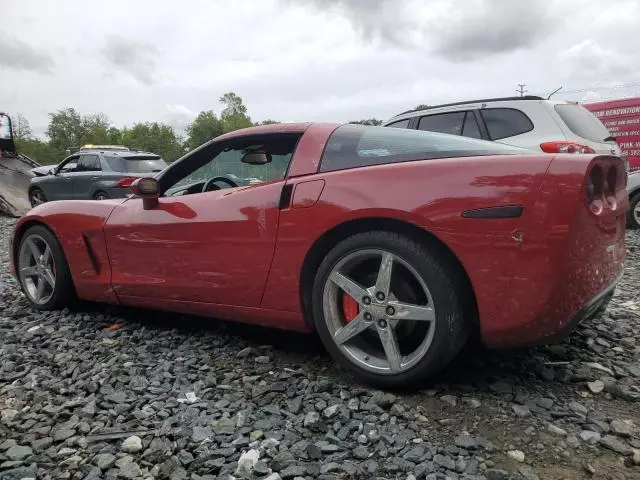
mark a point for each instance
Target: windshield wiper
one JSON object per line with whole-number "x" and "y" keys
{"x": 610, "y": 139}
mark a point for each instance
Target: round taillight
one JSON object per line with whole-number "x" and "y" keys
{"x": 595, "y": 184}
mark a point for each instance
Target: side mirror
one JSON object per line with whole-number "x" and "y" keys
{"x": 148, "y": 189}
{"x": 256, "y": 158}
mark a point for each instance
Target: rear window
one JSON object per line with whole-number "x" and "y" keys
{"x": 505, "y": 122}
{"x": 582, "y": 122}
{"x": 137, "y": 164}
{"x": 352, "y": 146}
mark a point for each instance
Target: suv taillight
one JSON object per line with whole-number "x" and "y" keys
{"x": 565, "y": 147}
{"x": 125, "y": 181}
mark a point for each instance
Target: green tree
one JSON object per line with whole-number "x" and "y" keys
{"x": 95, "y": 129}
{"x": 234, "y": 115}
{"x": 66, "y": 129}
{"x": 422, "y": 106}
{"x": 41, "y": 152}
{"x": 205, "y": 127}
{"x": 154, "y": 137}
{"x": 370, "y": 121}
{"x": 268, "y": 121}
{"x": 21, "y": 127}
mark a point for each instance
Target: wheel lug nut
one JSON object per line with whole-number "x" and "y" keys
{"x": 391, "y": 310}
{"x": 380, "y": 296}
{"x": 366, "y": 301}
{"x": 367, "y": 317}
{"x": 382, "y": 323}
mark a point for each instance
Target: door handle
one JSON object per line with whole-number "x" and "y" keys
{"x": 95, "y": 178}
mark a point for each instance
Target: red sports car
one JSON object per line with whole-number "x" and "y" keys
{"x": 394, "y": 245}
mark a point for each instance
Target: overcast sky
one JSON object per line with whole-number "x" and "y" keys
{"x": 297, "y": 60}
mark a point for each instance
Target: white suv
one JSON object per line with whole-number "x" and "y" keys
{"x": 528, "y": 122}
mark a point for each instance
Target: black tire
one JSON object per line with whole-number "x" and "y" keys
{"x": 36, "y": 192}
{"x": 632, "y": 222}
{"x": 451, "y": 327}
{"x": 63, "y": 293}
{"x": 100, "y": 195}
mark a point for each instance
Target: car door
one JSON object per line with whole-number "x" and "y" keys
{"x": 89, "y": 171}
{"x": 59, "y": 185}
{"x": 210, "y": 247}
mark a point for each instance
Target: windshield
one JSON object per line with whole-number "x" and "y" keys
{"x": 353, "y": 146}
{"x": 582, "y": 122}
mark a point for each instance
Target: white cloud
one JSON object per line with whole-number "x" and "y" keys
{"x": 325, "y": 60}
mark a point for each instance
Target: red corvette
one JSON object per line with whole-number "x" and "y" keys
{"x": 394, "y": 245}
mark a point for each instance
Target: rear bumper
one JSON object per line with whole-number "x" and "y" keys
{"x": 551, "y": 328}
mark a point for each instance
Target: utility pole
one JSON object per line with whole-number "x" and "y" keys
{"x": 521, "y": 89}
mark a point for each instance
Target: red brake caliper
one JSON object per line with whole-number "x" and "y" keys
{"x": 350, "y": 307}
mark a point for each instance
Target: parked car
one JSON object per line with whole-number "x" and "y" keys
{"x": 394, "y": 245}
{"x": 529, "y": 122}
{"x": 633, "y": 188}
{"x": 95, "y": 172}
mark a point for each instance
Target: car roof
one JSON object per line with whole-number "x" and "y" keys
{"x": 262, "y": 129}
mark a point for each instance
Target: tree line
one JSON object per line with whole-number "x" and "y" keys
{"x": 69, "y": 130}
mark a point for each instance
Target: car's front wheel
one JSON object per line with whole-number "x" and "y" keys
{"x": 36, "y": 197}
{"x": 43, "y": 270}
{"x": 388, "y": 309}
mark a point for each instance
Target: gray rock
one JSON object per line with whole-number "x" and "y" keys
{"x": 621, "y": 428}
{"x": 19, "y": 452}
{"x": 132, "y": 444}
{"x": 616, "y": 445}
{"x": 466, "y": 441}
{"x": 590, "y": 437}
{"x": 557, "y": 431}
{"x": 104, "y": 461}
{"x": 496, "y": 474}
{"x": 450, "y": 400}
{"x": 445, "y": 462}
{"x": 311, "y": 419}
{"x": 128, "y": 469}
{"x": 293, "y": 471}
{"x": 521, "y": 411}
{"x": 528, "y": 473}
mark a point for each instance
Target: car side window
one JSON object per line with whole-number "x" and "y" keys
{"x": 71, "y": 165}
{"x": 224, "y": 165}
{"x": 470, "y": 128}
{"x": 505, "y": 122}
{"x": 400, "y": 124}
{"x": 450, "y": 123}
{"x": 89, "y": 163}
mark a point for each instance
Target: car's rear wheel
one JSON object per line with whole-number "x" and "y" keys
{"x": 388, "y": 309}
{"x": 43, "y": 270}
{"x": 36, "y": 197}
{"x": 100, "y": 196}
{"x": 633, "y": 219}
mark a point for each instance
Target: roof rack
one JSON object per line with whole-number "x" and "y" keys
{"x": 482, "y": 100}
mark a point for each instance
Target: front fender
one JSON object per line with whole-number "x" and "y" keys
{"x": 79, "y": 227}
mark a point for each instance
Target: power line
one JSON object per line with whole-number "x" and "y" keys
{"x": 596, "y": 89}
{"x": 521, "y": 89}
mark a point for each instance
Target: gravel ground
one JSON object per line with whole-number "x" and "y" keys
{"x": 118, "y": 393}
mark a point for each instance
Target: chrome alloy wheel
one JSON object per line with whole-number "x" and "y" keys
{"x": 36, "y": 269}
{"x": 394, "y": 322}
